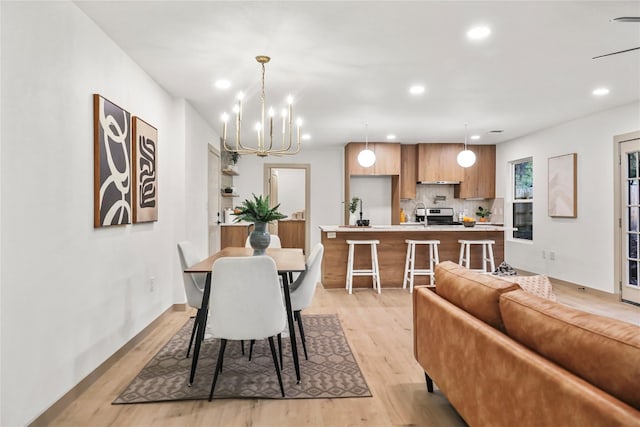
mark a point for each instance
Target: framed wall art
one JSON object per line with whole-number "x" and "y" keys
{"x": 111, "y": 163}
{"x": 145, "y": 171}
{"x": 563, "y": 202}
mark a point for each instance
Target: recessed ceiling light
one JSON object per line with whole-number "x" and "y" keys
{"x": 600, "y": 91}
{"x": 478, "y": 33}
{"x": 416, "y": 89}
{"x": 474, "y": 137}
{"x": 306, "y": 136}
{"x": 391, "y": 136}
{"x": 222, "y": 84}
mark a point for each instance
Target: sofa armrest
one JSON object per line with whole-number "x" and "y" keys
{"x": 493, "y": 380}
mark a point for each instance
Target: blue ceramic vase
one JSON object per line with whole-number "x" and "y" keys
{"x": 259, "y": 238}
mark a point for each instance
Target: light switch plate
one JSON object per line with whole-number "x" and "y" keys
{"x": 331, "y": 235}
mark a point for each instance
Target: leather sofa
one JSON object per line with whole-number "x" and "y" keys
{"x": 504, "y": 357}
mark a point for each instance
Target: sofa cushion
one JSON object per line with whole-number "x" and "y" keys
{"x": 602, "y": 351}
{"x": 477, "y": 294}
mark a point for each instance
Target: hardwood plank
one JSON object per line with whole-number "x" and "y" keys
{"x": 379, "y": 330}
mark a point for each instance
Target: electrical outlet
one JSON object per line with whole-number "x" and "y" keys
{"x": 552, "y": 255}
{"x": 544, "y": 254}
{"x": 152, "y": 284}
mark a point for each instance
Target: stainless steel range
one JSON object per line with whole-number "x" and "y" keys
{"x": 440, "y": 216}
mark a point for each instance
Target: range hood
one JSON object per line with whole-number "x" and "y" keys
{"x": 438, "y": 182}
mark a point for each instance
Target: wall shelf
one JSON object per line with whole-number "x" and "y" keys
{"x": 230, "y": 172}
{"x": 230, "y": 195}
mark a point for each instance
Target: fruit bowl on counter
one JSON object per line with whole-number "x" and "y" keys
{"x": 468, "y": 221}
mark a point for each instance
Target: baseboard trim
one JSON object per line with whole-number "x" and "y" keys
{"x": 576, "y": 287}
{"x": 61, "y": 404}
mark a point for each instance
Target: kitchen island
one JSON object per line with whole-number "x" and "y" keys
{"x": 392, "y": 250}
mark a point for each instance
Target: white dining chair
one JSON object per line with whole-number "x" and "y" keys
{"x": 274, "y": 243}
{"x": 193, "y": 283}
{"x": 246, "y": 304}
{"x": 303, "y": 289}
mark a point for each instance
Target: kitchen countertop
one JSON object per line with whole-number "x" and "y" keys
{"x": 236, "y": 224}
{"x": 408, "y": 227}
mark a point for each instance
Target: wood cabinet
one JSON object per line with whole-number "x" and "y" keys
{"x": 387, "y": 159}
{"x": 438, "y": 162}
{"x": 233, "y": 235}
{"x": 479, "y": 180}
{"x": 408, "y": 171}
{"x": 291, "y": 233}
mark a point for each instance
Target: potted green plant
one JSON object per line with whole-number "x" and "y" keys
{"x": 483, "y": 214}
{"x": 234, "y": 157}
{"x": 258, "y": 212}
{"x": 353, "y": 206}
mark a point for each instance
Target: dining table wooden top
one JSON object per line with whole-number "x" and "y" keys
{"x": 287, "y": 259}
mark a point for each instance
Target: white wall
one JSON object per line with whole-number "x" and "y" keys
{"x": 584, "y": 245}
{"x": 290, "y": 190}
{"x": 72, "y": 295}
{"x": 327, "y": 183}
{"x": 375, "y": 193}
{"x": 198, "y": 136}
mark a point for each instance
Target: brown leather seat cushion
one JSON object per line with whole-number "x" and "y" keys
{"x": 477, "y": 294}
{"x": 602, "y": 351}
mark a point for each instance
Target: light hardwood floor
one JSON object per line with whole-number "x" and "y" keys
{"x": 378, "y": 328}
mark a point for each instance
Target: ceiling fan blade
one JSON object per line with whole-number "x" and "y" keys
{"x": 615, "y": 53}
{"x": 627, "y": 19}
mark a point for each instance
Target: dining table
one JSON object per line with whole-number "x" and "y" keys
{"x": 288, "y": 261}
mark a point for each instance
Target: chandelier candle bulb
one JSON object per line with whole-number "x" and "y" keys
{"x": 225, "y": 117}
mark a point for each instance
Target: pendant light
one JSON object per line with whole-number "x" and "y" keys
{"x": 366, "y": 158}
{"x": 466, "y": 157}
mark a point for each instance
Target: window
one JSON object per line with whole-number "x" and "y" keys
{"x": 523, "y": 199}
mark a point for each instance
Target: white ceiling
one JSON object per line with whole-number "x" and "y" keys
{"x": 347, "y": 63}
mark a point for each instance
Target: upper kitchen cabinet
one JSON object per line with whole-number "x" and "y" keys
{"x": 479, "y": 180}
{"x": 438, "y": 163}
{"x": 408, "y": 171}
{"x": 387, "y": 159}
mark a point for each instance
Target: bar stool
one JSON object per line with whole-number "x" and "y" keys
{"x": 374, "y": 272}
{"x": 487, "y": 254}
{"x": 410, "y": 269}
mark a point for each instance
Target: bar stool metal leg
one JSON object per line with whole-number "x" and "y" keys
{"x": 405, "y": 278}
{"x": 376, "y": 267}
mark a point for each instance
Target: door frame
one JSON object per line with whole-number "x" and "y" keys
{"x": 307, "y": 193}
{"x": 213, "y": 193}
{"x": 617, "y": 205}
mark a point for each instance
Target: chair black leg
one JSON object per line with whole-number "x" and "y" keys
{"x": 193, "y": 331}
{"x": 275, "y": 362}
{"x": 203, "y": 322}
{"x": 301, "y": 329}
{"x": 429, "y": 383}
{"x": 242, "y": 346}
{"x": 251, "y": 348}
{"x": 280, "y": 348}
{"x": 223, "y": 344}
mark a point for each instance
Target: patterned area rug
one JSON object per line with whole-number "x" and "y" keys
{"x": 330, "y": 372}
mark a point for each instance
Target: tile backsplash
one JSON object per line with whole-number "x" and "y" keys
{"x": 432, "y": 196}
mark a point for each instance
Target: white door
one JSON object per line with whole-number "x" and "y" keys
{"x": 213, "y": 190}
{"x": 630, "y": 226}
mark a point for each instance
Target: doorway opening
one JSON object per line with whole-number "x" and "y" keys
{"x": 288, "y": 184}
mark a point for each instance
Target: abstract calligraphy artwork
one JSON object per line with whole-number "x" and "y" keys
{"x": 112, "y": 164}
{"x": 562, "y": 186}
{"x": 145, "y": 168}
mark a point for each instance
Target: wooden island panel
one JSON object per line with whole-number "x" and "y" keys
{"x": 392, "y": 252}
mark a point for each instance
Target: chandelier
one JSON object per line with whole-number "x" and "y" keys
{"x": 262, "y": 147}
